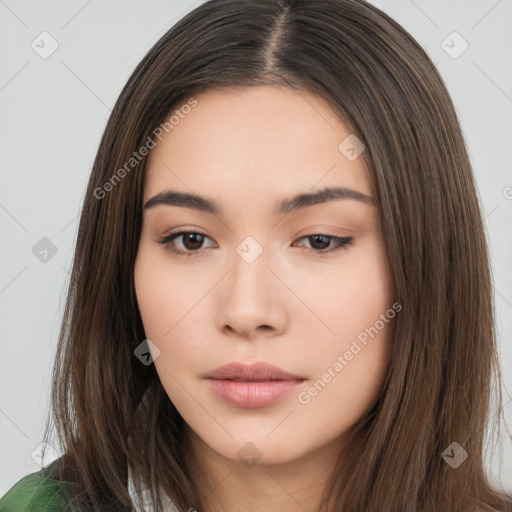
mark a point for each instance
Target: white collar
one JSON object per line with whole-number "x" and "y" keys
{"x": 146, "y": 497}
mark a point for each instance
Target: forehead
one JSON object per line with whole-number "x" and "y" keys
{"x": 242, "y": 142}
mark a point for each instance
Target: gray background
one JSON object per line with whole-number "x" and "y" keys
{"x": 54, "y": 110}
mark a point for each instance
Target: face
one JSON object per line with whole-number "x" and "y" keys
{"x": 305, "y": 288}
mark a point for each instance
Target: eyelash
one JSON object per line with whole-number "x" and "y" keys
{"x": 342, "y": 243}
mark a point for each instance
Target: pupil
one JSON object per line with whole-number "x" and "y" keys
{"x": 191, "y": 236}
{"x": 323, "y": 244}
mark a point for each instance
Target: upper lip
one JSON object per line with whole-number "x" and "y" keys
{"x": 259, "y": 371}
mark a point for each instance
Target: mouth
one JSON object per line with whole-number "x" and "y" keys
{"x": 252, "y": 386}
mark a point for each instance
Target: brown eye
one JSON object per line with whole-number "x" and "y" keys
{"x": 320, "y": 242}
{"x": 191, "y": 242}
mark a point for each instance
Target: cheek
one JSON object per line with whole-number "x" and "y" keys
{"x": 154, "y": 297}
{"x": 165, "y": 293}
{"x": 351, "y": 365}
{"x": 356, "y": 294}
{"x": 172, "y": 318}
{"x": 348, "y": 378}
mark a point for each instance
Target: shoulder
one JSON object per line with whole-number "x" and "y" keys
{"x": 36, "y": 492}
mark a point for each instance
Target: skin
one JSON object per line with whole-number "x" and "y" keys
{"x": 248, "y": 148}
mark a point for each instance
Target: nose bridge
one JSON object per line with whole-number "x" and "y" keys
{"x": 250, "y": 273}
{"x": 250, "y": 297}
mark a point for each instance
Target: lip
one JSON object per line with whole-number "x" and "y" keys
{"x": 259, "y": 371}
{"x": 252, "y": 385}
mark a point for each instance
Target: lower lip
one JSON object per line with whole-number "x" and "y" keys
{"x": 253, "y": 395}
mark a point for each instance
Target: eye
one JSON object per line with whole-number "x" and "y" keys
{"x": 320, "y": 241}
{"x": 192, "y": 242}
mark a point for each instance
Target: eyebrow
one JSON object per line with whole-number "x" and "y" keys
{"x": 175, "y": 198}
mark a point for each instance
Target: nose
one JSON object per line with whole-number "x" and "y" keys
{"x": 251, "y": 301}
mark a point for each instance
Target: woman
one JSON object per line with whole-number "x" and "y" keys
{"x": 280, "y": 296}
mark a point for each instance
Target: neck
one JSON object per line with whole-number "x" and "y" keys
{"x": 228, "y": 485}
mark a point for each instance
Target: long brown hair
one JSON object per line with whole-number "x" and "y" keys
{"x": 444, "y": 360}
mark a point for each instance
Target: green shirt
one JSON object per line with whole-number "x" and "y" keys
{"x": 43, "y": 492}
{"x": 36, "y": 492}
